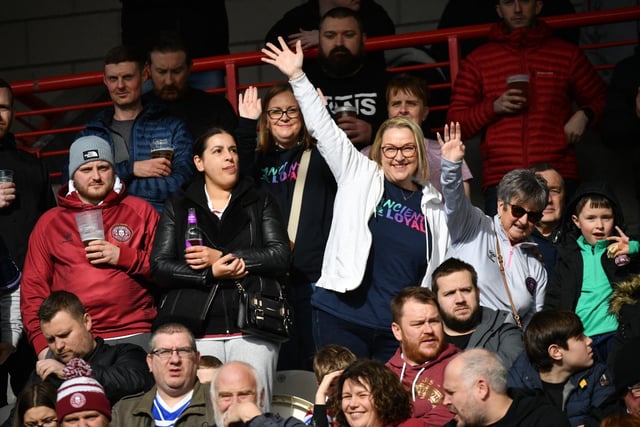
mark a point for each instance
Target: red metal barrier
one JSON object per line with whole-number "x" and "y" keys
{"x": 231, "y": 63}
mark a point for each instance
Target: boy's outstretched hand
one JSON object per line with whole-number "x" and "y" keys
{"x": 286, "y": 60}
{"x": 620, "y": 245}
{"x": 452, "y": 146}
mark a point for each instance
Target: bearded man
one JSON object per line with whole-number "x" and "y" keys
{"x": 423, "y": 352}
{"x": 466, "y": 323}
{"x": 347, "y": 77}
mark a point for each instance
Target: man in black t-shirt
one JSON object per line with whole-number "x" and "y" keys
{"x": 475, "y": 384}
{"x": 349, "y": 77}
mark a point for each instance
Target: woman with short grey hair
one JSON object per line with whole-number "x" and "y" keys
{"x": 511, "y": 276}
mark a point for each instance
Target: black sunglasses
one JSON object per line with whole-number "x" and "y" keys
{"x": 519, "y": 212}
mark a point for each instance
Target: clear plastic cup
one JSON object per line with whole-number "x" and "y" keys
{"x": 90, "y": 225}
{"x": 6, "y": 175}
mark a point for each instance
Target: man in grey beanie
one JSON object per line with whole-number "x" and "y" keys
{"x": 110, "y": 275}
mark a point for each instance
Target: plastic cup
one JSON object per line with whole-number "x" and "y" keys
{"x": 90, "y": 225}
{"x": 346, "y": 111}
{"x": 161, "y": 148}
{"x": 6, "y": 175}
{"x": 520, "y": 82}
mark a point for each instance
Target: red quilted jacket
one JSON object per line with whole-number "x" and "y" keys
{"x": 560, "y": 74}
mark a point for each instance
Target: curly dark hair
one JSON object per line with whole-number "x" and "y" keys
{"x": 390, "y": 399}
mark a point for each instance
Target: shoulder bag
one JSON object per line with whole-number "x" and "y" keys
{"x": 263, "y": 310}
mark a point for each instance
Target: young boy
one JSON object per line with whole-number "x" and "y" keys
{"x": 328, "y": 364}
{"x": 594, "y": 254}
{"x": 206, "y": 368}
{"x": 408, "y": 96}
{"x": 558, "y": 360}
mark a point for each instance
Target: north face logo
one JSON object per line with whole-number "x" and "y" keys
{"x": 90, "y": 154}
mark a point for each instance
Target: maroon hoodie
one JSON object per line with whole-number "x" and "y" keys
{"x": 424, "y": 382}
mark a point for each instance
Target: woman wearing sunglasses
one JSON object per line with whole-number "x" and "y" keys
{"x": 510, "y": 275}
{"x": 388, "y": 230}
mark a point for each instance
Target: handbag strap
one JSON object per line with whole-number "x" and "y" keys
{"x": 298, "y": 190}
{"x": 514, "y": 312}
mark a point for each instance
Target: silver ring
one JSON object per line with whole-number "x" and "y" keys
{"x": 203, "y": 260}
{"x": 101, "y": 254}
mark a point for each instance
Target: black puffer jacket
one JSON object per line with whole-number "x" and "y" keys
{"x": 250, "y": 228}
{"x": 121, "y": 369}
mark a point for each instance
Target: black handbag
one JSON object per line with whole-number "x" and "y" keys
{"x": 188, "y": 306}
{"x": 263, "y": 309}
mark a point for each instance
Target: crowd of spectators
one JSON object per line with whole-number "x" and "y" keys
{"x": 412, "y": 306}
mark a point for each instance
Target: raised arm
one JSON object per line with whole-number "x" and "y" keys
{"x": 249, "y": 109}
{"x": 344, "y": 160}
{"x": 451, "y": 146}
{"x": 287, "y": 61}
{"x": 462, "y": 217}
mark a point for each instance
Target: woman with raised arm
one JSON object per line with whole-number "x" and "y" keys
{"x": 511, "y": 276}
{"x": 388, "y": 228}
{"x": 284, "y": 153}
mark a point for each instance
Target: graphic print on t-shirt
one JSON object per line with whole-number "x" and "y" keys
{"x": 285, "y": 172}
{"x": 398, "y": 212}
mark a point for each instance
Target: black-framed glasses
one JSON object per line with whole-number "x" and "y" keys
{"x": 519, "y": 212}
{"x": 277, "y": 113}
{"x": 166, "y": 353}
{"x": 635, "y": 390}
{"x": 391, "y": 151}
{"x": 47, "y": 422}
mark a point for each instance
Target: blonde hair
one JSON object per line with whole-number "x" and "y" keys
{"x": 422, "y": 173}
{"x": 331, "y": 358}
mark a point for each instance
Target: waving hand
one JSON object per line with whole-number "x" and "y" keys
{"x": 452, "y": 146}
{"x": 286, "y": 60}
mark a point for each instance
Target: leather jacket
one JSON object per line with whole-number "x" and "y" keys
{"x": 251, "y": 228}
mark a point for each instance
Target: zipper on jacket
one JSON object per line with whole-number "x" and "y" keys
{"x": 226, "y": 314}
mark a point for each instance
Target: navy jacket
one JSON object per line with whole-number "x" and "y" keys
{"x": 585, "y": 397}
{"x": 154, "y": 122}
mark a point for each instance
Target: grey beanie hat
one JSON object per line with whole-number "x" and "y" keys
{"x": 88, "y": 149}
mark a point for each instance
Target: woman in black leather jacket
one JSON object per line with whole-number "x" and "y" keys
{"x": 243, "y": 233}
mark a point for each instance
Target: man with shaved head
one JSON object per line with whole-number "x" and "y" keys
{"x": 475, "y": 385}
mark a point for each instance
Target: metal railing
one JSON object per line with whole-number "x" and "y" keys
{"x": 28, "y": 89}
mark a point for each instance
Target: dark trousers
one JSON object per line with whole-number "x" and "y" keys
{"x": 19, "y": 365}
{"x": 363, "y": 341}
{"x": 298, "y": 352}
